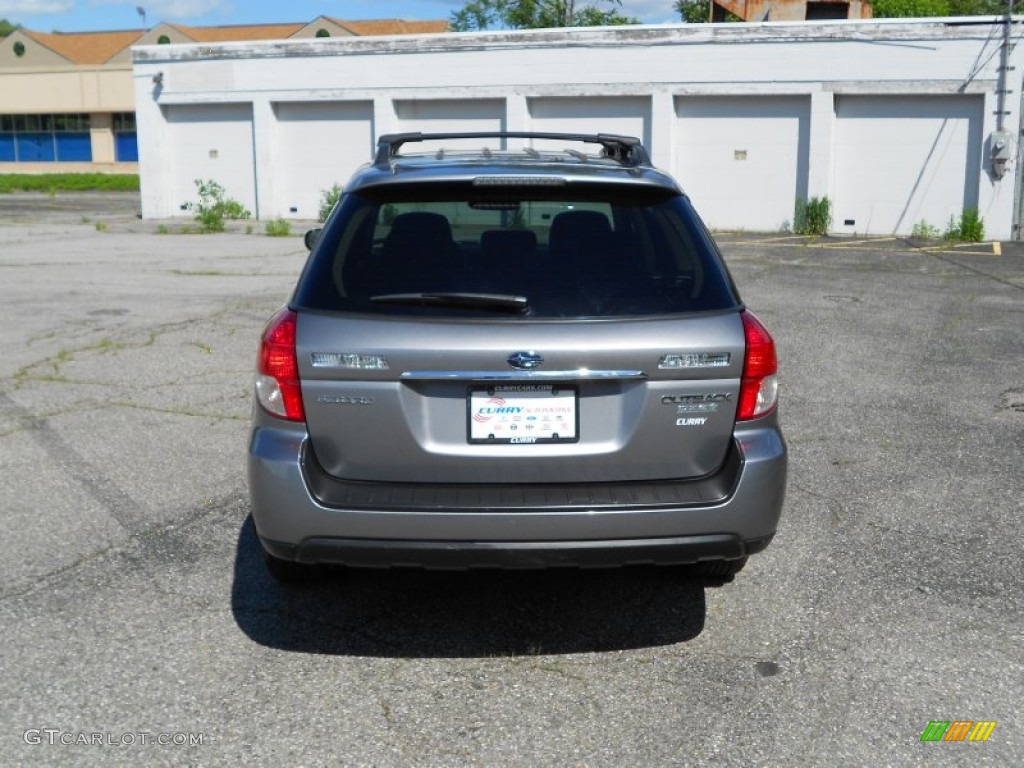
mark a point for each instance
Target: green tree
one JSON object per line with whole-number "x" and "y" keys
{"x": 693, "y": 11}
{"x": 893, "y": 9}
{"x": 6, "y": 27}
{"x": 978, "y": 7}
{"x": 898, "y": 9}
{"x": 537, "y": 14}
{"x": 698, "y": 11}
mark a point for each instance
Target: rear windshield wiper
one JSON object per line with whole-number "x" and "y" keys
{"x": 494, "y": 301}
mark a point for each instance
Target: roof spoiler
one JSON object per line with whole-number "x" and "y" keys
{"x": 627, "y": 150}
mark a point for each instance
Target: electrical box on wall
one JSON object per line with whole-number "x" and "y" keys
{"x": 1000, "y": 152}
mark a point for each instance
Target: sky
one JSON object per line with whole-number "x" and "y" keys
{"x": 92, "y": 15}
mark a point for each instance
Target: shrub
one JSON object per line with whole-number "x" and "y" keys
{"x": 970, "y": 228}
{"x": 328, "y": 199}
{"x": 924, "y": 231}
{"x": 278, "y": 228}
{"x": 213, "y": 207}
{"x": 813, "y": 217}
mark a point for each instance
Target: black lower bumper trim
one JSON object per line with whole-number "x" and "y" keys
{"x": 461, "y": 555}
{"x": 451, "y": 497}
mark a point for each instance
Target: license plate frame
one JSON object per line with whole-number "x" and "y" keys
{"x": 522, "y": 414}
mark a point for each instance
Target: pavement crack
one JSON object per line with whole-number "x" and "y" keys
{"x": 836, "y": 516}
{"x": 213, "y": 417}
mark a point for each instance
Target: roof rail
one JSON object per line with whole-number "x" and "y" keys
{"x": 627, "y": 150}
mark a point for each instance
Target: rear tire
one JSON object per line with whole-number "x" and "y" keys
{"x": 290, "y": 572}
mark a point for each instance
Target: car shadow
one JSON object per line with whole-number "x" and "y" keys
{"x": 431, "y": 614}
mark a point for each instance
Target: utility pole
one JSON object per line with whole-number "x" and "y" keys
{"x": 1004, "y": 67}
{"x": 1002, "y": 144}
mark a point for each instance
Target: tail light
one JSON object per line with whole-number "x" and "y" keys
{"x": 277, "y": 377}
{"x": 759, "y": 389}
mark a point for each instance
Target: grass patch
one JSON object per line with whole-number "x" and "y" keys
{"x": 278, "y": 228}
{"x": 51, "y": 183}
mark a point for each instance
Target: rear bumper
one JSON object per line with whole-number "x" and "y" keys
{"x": 302, "y": 514}
{"x": 456, "y": 555}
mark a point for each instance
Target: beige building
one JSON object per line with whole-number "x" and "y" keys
{"x": 790, "y": 10}
{"x": 67, "y": 101}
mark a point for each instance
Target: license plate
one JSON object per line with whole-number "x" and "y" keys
{"x": 523, "y": 414}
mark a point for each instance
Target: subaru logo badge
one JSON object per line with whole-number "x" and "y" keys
{"x": 525, "y": 360}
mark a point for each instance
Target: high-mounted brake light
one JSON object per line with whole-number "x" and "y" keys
{"x": 277, "y": 379}
{"x": 519, "y": 181}
{"x": 759, "y": 388}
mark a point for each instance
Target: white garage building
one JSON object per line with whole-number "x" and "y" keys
{"x": 897, "y": 122}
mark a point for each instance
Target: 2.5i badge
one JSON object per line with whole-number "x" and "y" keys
{"x": 702, "y": 403}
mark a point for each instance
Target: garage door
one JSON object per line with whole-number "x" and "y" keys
{"x": 743, "y": 160}
{"x": 211, "y": 141}
{"x": 451, "y": 116}
{"x": 318, "y": 145}
{"x": 901, "y": 160}
{"x": 624, "y": 116}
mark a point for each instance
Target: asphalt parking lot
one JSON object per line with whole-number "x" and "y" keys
{"x": 134, "y": 604}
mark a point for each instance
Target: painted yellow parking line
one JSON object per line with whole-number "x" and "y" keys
{"x": 812, "y": 242}
{"x": 993, "y": 248}
{"x": 782, "y": 239}
{"x": 851, "y": 243}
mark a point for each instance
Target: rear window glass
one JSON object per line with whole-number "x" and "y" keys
{"x": 455, "y": 250}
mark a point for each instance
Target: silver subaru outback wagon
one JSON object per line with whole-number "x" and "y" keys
{"x": 528, "y": 355}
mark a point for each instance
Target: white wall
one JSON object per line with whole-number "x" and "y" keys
{"x": 889, "y": 119}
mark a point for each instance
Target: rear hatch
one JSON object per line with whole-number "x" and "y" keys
{"x": 518, "y": 337}
{"x": 449, "y": 407}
